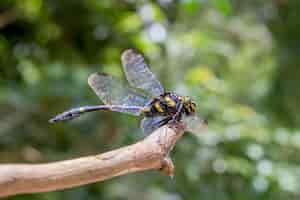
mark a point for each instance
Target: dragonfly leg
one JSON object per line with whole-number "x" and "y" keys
{"x": 165, "y": 121}
{"x": 177, "y": 115}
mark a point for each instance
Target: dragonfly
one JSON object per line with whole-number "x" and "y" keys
{"x": 143, "y": 96}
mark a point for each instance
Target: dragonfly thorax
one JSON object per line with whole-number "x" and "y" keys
{"x": 169, "y": 104}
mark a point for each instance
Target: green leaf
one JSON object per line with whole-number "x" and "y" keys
{"x": 224, "y": 6}
{"x": 190, "y": 6}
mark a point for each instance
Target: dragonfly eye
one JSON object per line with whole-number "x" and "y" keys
{"x": 186, "y": 99}
{"x": 189, "y": 104}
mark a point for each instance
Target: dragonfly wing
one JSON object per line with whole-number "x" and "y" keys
{"x": 195, "y": 124}
{"x": 113, "y": 92}
{"x": 138, "y": 73}
{"x": 149, "y": 124}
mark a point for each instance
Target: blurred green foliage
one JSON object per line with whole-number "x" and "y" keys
{"x": 237, "y": 59}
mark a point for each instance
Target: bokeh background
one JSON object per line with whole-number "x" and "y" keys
{"x": 238, "y": 59}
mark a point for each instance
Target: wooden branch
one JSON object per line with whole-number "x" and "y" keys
{"x": 150, "y": 153}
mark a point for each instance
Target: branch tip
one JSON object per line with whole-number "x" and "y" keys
{"x": 167, "y": 167}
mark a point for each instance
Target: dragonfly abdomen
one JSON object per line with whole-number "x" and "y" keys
{"x": 76, "y": 112}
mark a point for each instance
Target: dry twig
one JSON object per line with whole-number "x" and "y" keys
{"x": 150, "y": 153}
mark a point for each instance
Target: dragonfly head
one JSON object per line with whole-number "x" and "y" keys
{"x": 189, "y": 105}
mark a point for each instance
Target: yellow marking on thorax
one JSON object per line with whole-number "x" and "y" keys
{"x": 170, "y": 102}
{"x": 82, "y": 109}
{"x": 158, "y": 107}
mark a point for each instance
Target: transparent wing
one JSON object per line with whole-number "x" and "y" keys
{"x": 113, "y": 92}
{"x": 149, "y": 124}
{"x": 195, "y": 124}
{"x": 138, "y": 73}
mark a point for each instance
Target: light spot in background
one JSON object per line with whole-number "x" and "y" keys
{"x": 205, "y": 153}
{"x": 146, "y": 12}
{"x": 281, "y": 136}
{"x": 80, "y": 75}
{"x": 219, "y": 166}
{"x": 254, "y": 151}
{"x": 56, "y": 70}
{"x": 171, "y": 197}
{"x": 29, "y": 71}
{"x": 200, "y": 74}
{"x": 193, "y": 170}
{"x": 165, "y": 2}
{"x": 233, "y": 133}
{"x": 157, "y": 193}
{"x": 182, "y": 89}
{"x": 21, "y": 50}
{"x": 246, "y": 111}
{"x": 296, "y": 139}
{"x": 260, "y": 184}
{"x": 31, "y": 154}
{"x": 129, "y": 23}
{"x": 210, "y": 138}
{"x": 101, "y": 32}
{"x": 269, "y": 11}
{"x": 157, "y": 32}
{"x": 264, "y": 167}
{"x": 173, "y": 46}
{"x": 287, "y": 181}
{"x": 31, "y": 8}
